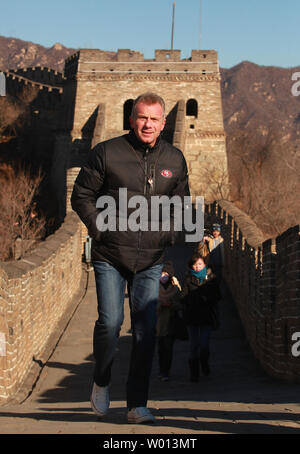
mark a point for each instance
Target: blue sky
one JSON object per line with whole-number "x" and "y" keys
{"x": 266, "y": 32}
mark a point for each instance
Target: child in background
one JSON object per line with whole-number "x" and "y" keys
{"x": 200, "y": 295}
{"x": 168, "y": 305}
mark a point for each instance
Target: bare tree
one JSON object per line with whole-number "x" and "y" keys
{"x": 20, "y": 219}
{"x": 217, "y": 185}
{"x": 264, "y": 175}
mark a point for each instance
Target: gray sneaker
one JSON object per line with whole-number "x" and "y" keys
{"x": 140, "y": 415}
{"x": 100, "y": 400}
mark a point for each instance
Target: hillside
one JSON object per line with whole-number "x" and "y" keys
{"x": 262, "y": 125}
{"x": 257, "y": 98}
{"x": 15, "y": 53}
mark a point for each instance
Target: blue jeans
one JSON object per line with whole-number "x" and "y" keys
{"x": 144, "y": 287}
{"x": 199, "y": 338}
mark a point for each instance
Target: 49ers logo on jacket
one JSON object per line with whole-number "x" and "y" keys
{"x": 166, "y": 173}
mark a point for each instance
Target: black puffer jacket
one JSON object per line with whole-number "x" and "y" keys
{"x": 125, "y": 162}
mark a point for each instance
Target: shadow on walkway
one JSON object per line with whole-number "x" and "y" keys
{"x": 238, "y": 397}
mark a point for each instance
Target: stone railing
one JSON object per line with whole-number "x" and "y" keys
{"x": 263, "y": 277}
{"x": 36, "y": 293}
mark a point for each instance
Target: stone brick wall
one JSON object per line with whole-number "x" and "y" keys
{"x": 34, "y": 294}
{"x": 49, "y": 95}
{"x": 98, "y": 85}
{"x": 264, "y": 279}
{"x": 86, "y": 105}
{"x": 114, "y": 82}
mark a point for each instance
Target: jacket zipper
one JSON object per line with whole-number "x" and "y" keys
{"x": 145, "y": 192}
{"x": 152, "y": 178}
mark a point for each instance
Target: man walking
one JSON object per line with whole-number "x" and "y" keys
{"x": 146, "y": 165}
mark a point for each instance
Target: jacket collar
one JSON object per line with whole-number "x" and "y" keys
{"x": 141, "y": 146}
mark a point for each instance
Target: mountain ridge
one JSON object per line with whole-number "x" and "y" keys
{"x": 261, "y": 121}
{"x": 254, "y": 97}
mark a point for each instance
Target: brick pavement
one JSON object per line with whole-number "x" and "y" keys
{"x": 237, "y": 398}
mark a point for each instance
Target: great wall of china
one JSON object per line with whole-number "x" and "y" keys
{"x": 89, "y": 103}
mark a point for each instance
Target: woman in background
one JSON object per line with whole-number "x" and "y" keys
{"x": 200, "y": 295}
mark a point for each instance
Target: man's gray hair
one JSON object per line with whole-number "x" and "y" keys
{"x": 149, "y": 98}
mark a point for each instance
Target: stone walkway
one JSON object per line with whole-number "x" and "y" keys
{"x": 238, "y": 397}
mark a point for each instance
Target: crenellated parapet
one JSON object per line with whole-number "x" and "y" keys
{"x": 189, "y": 86}
{"x": 87, "y": 63}
{"x": 38, "y": 295}
{"x": 44, "y": 97}
{"x": 43, "y": 78}
{"x": 93, "y": 77}
{"x": 263, "y": 276}
{"x": 41, "y": 74}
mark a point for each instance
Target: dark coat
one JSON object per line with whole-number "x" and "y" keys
{"x": 168, "y": 303}
{"x": 124, "y": 162}
{"x": 200, "y": 300}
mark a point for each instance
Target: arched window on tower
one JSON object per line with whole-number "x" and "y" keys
{"x": 127, "y": 108}
{"x": 192, "y": 108}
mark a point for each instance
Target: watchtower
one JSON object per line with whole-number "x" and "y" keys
{"x": 99, "y": 89}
